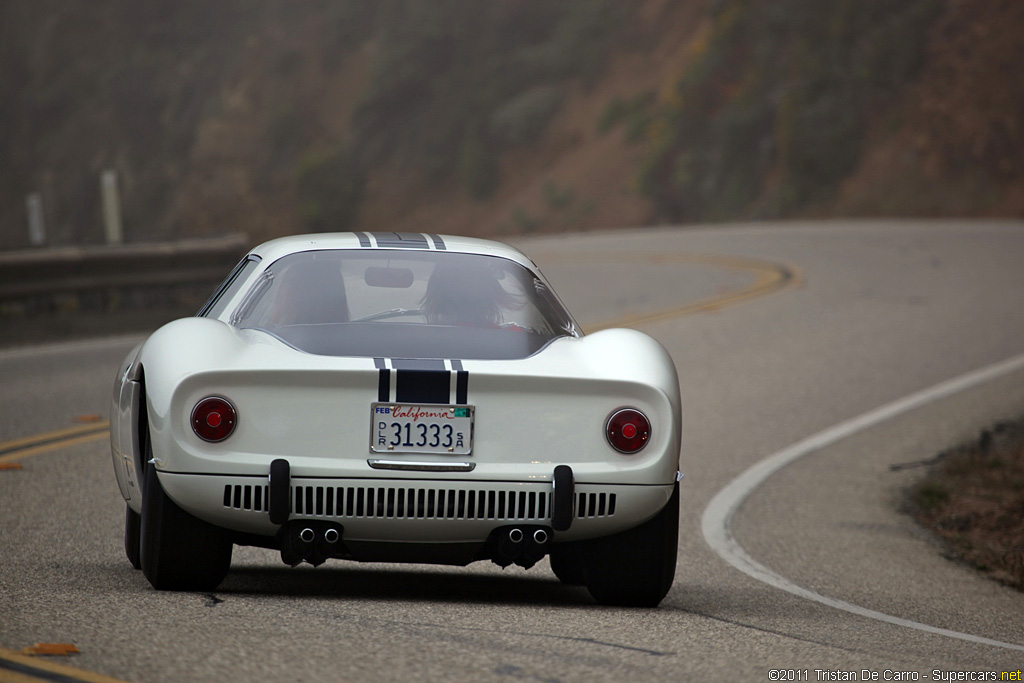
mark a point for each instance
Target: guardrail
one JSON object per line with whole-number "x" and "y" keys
{"x": 36, "y": 278}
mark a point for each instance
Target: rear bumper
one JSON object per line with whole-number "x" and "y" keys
{"x": 414, "y": 511}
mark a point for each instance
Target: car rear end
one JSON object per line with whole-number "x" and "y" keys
{"x": 408, "y": 400}
{"x": 426, "y": 453}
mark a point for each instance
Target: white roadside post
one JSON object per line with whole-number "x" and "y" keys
{"x": 111, "y": 207}
{"x": 36, "y": 225}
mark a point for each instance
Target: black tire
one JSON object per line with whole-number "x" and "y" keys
{"x": 567, "y": 563}
{"x": 132, "y": 530}
{"x": 178, "y": 551}
{"x": 635, "y": 568}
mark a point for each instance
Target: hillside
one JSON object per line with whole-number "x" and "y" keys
{"x": 505, "y": 117}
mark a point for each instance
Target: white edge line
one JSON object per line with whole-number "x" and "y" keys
{"x": 716, "y": 522}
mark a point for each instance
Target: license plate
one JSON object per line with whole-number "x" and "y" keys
{"x": 433, "y": 429}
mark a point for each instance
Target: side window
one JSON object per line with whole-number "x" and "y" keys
{"x": 219, "y": 301}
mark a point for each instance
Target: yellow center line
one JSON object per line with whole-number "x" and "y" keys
{"x": 15, "y": 677}
{"x": 26, "y": 447}
{"x": 46, "y": 448}
{"x": 15, "y": 666}
{"x": 769, "y": 277}
{"x": 50, "y": 436}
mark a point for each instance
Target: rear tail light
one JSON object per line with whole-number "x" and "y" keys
{"x": 628, "y": 430}
{"x": 214, "y": 418}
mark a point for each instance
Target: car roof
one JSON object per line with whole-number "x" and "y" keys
{"x": 283, "y": 246}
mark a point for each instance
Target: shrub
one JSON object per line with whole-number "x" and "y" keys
{"x": 784, "y": 87}
{"x": 442, "y": 68}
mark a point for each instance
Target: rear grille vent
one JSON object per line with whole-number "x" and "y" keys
{"x": 253, "y": 498}
{"x": 595, "y": 505}
{"x": 417, "y": 503}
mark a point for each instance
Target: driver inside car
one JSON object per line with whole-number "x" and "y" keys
{"x": 466, "y": 296}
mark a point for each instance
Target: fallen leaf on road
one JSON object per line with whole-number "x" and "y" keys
{"x": 51, "y": 649}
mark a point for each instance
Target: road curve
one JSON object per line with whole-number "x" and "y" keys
{"x": 780, "y": 333}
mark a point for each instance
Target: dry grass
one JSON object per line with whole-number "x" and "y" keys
{"x": 974, "y": 500}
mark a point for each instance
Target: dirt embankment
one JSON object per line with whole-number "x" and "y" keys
{"x": 974, "y": 500}
{"x": 954, "y": 143}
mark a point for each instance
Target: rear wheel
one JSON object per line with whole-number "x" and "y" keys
{"x": 178, "y": 551}
{"x": 635, "y": 568}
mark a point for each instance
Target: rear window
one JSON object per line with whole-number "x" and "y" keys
{"x": 404, "y": 304}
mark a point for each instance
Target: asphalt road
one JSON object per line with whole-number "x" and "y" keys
{"x": 780, "y": 333}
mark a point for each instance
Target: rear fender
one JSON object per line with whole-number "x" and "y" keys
{"x": 179, "y": 349}
{"x": 192, "y": 358}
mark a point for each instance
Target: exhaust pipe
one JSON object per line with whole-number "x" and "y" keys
{"x": 315, "y": 543}
{"x": 510, "y": 547}
{"x": 518, "y": 545}
{"x": 534, "y": 549}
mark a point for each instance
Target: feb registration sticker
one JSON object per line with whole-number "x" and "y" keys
{"x": 424, "y": 429}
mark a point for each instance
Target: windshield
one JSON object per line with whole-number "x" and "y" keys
{"x": 404, "y": 304}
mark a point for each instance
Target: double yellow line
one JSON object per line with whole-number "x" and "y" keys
{"x": 16, "y": 667}
{"x": 19, "y": 449}
{"x": 768, "y": 277}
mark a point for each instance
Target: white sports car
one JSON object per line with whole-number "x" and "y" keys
{"x": 397, "y": 397}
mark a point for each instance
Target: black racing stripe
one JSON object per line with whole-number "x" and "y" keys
{"x": 364, "y": 239}
{"x": 462, "y": 387}
{"x": 422, "y": 386}
{"x": 385, "y": 239}
{"x": 401, "y": 240}
{"x": 422, "y": 381}
{"x": 383, "y": 381}
{"x": 461, "y": 383}
{"x": 415, "y": 240}
{"x": 39, "y": 674}
{"x": 438, "y": 242}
